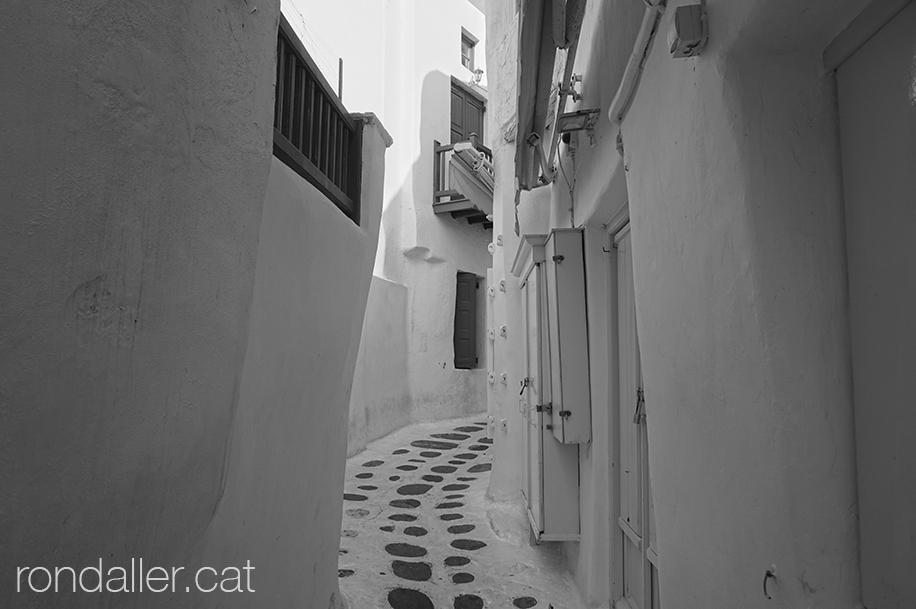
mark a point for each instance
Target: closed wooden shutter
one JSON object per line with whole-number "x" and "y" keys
{"x": 466, "y": 115}
{"x": 466, "y": 321}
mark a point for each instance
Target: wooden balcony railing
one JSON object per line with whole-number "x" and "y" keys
{"x": 313, "y": 132}
{"x": 474, "y": 201}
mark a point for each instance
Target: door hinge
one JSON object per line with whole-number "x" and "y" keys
{"x": 559, "y": 258}
{"x": 544, "y": 407}
{"x": 565, "y": 414}
{"x": 640, "y": 405}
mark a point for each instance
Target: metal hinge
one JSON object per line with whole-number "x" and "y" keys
{"x": 544, "y": 407}
{"x": 558, "y": 258}
{"x": 640, "y": 406}
{"x": 564, "y": 413}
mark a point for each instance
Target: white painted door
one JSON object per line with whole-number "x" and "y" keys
{"x": 531, "y": 398}
{"x": 877, "y": 107}
{"x": 636, "y": 521}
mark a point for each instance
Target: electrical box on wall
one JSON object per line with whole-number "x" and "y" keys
{"x": 567, "y": 336}
{"x": 688, "y": 33}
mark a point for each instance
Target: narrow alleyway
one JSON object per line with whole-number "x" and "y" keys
{"x": 418, "y": 531}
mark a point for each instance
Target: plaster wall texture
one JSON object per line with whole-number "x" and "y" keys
{"x": 736, "y": 208}
{"x": 136, "y": 144}
{"x": 380, "y": 401}
{"x": 285, "y": 472}
{"x": 877, "y": 123}
{"x": 505, "y": 307}
{"x": 734, "y": 196}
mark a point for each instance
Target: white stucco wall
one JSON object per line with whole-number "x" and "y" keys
{"x": 136, "y": 151}
{"x": 734, "y": 195}
{"x": 285, "y": 475}
{"x": 380, "y": 400}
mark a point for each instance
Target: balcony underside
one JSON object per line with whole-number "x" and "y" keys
{"x": 470, "y": 192}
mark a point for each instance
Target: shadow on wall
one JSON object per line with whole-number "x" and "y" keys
{"x": 405, "y": 371}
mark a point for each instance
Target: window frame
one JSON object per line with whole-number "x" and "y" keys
{"x": 469, "y": 41}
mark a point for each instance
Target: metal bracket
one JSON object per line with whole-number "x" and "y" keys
{"x": 544, "y": 408}
{"x": 564, "y": 413}
{"x": 559, "y": 258}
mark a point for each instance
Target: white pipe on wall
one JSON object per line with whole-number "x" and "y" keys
{"x": 650, "y": 19}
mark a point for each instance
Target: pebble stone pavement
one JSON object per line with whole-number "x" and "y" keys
{"x": 418, "y": 531}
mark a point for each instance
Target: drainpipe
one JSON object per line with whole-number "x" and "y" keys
{"x": 630, "y": 80}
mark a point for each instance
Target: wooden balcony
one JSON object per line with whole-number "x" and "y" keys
{"x": 463, "y": 181}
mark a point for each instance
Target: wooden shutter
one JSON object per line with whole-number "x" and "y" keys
{"x": 466, "y": 115}
{"x": 466, "y": 321}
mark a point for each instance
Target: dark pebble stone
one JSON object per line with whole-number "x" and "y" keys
{"x": 480, "y": 467}
{"x": 367, "y": 487}
{"x": 400, "y": 451}
{"x": 358, "y": 513}
{"x": 417, "y": 460}
{"x": 373, "y": 463}
{"x": 448, "y": 505}
{"x": 458, "y": 529}
{"x": 455, "y": 496}
{"x": 468, "y": 544}
{"x": 468, "y": 601}
{"x": 405, "y": 550}
{"x": 429, "y": 454}
{"x": 402, "y": 517}
{"x": 455, "y": 487}
{"x": 457, "y": 561}
{"x": 354, "y": 497}
{"x": 465, "y": 478}
{"x": 387, "y": 528}
{"x": 404, "y": 503}
{"x": 466, "y": 456}
{"x": 406, "y": 468}
{"x": 456, "y": 462}
{"x": 405, "y": 598}
{"x": 345, "y": 572}
{"x": 478, "y": 447}
{"x": 414, "y": 571}
{"x": 462, "y": 578}
{"x": 432, "y": 478}
{"x": 451, "y": 517}
{"x": 525, "y": 602}
{"x": 485, "y": 440}
{"x": 450, "y": 436}
{"x": 393, "y": 478}
{"x": 434, "y": 444}
{"x": 469, "y": 429}
{"x": 414, "y": 489}
{"x": 342, "y": 551}
{"x": 364, "y": 475}
{"x": 444, "y": 469}
{"x": 415, "y": 531}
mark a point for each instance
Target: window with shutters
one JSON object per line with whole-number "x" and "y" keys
{"x": 465, "y": 337}
{"x": 468, "y": 43}
{"x": 466, "y": 114}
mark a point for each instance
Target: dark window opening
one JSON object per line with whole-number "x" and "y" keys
{"x": 467, "y": 51}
